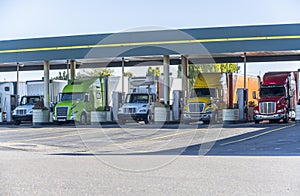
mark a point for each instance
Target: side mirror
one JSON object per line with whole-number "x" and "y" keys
{"x": 254, "y": 95}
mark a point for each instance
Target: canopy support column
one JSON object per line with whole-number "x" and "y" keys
{"x": 166, "y": 65}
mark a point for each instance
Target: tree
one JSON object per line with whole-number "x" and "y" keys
{"x": 194, "y": 70}
{"x": 60, "y": 76}
{"x": 153, "y": 72}
{"x": 95, "y": 73}
{"x": 128, "y": 74}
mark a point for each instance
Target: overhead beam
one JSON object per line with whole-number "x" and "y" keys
{"x": 250, "y": 59}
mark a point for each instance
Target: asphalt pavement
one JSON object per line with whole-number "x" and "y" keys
{"x": 135, "y": 159}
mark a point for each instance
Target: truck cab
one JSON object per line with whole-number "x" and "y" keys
{"x": 78, "y": 99}
{"x": 137, "y": 107}
{"x": 207, "y": 99}
{"x": 24, "y": 111}
{"x": 278, "y": 97}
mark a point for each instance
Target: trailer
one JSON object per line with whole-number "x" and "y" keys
{"x": 9, "y": 98}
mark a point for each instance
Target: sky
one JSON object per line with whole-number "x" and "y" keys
{"x": 21, "y": 19}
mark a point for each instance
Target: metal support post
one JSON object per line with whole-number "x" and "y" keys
{"x": 184, "y": 76}
{"x": 46, "y": 84}
{"x": 73, "y": 68}
{"x": 166, "y": 66}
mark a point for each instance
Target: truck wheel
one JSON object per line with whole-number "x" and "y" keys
{"x": 256, "y": 122}
{"x": 186, "y": 122}
{"x": 206, "y": 122}
{"x": 17, "y": 122}
{"x": 148, "y": 119}
{"x": 215, "y": 118}
{"x": 121, "y": 122}
{"x": 286, "y": 118}
{"x": 83, "y": 119}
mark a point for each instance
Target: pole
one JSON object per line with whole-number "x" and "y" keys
{"x": 123, "y": 64}
{"x": 46, "y": 84}
{"x": 245, "y": 87}
{"x": 166, "y": 64}
{"x": 18, "y": 81}
{"x": 68, "y": 74}
{"x": 73, "y": 68}
{"x": 245, "y": 70}
{"x": 184, "y": 77}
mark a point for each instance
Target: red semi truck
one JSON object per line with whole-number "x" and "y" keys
{"x": 278, "y": 97}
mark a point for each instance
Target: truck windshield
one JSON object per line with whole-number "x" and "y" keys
{"x": 30, "y": 100}
{"x": 203, "y": 92}
{"x": 271, "y": 92}
{"x": 137, "y": 98}
{"x": 71, "y": 96}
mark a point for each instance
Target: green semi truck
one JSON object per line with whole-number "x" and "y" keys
{"x": 79, "y": 98}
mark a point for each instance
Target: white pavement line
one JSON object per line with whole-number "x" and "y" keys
{"x": 257, "y": 135}
{"x": 25, "y": 146}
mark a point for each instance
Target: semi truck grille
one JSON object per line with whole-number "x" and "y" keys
{"x": 129, "y": 110}
{"x": 196, "y": 107}
{"x": 21, "y": 112}
{"x": 62, "y": 111}
{"x": 267, "y": 107}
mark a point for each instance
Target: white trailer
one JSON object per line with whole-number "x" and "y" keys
{"x": 9, "y": 98}
{"x": 36, "y": 87}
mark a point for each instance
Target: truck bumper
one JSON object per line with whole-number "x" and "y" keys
{"x": 62, "y": 119}
{"x": 189, "y": 117}
{"x": 22, "y": 117}
{"x": 135, "y": 117}
{"x": 268, "y": 117}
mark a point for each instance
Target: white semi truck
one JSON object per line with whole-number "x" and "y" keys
{"x": 139, "y": 103}
{"x": 35, "y": 93}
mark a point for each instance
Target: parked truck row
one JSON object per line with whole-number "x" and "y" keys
{"x": 209, "y": 96}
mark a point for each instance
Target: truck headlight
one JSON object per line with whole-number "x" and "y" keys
{"x": 209, "y": 110}
{"x": 143, "y": 110}
{"x": 73, "y": 116}
{"x": 255, "y": 111}
{"x": 280, "y": 111}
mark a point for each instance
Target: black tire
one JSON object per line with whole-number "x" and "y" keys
{"x": 293, "y": 119}
{"x": 148, "y": 118}
{"x": 186, "y": 122}
{"x": 286, "y": 118}
{"x": 256, "y": 121}
{"x": 83, "y": 119}
{"x": 215, "y": 118}
{"x": 206, "y": 122}
{"x": 17, "y": 122}
{"x": 121, "y": 122}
